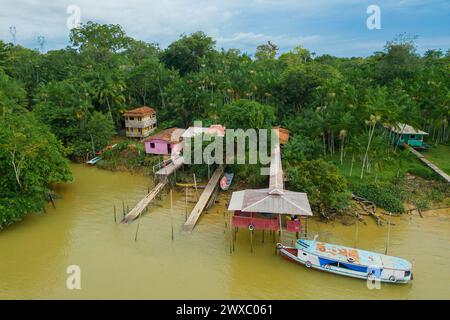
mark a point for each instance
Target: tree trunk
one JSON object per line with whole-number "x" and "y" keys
{"x": 371, "y": 131}
{"x": 351, "y": 166}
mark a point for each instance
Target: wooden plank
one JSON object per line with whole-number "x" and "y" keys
{"x": 137, "y": 210}
{"x": 203, "y": 200}
{"x": 431, "y": 165}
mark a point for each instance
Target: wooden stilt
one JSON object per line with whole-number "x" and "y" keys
{"x": 171, "y": 211}
{"x": 195, "y": 184}
{"x": 279, "y": 233}
{"x": 251, "y": 241}
{"x": 137, "y": 230}
{"x": 185, "y": 205}
{"x": 115, "y": 218}
{"x": 51, "y": 200}
{"x": 231, "y": 237}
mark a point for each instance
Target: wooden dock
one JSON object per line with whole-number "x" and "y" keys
{"x": 431, "y": 165}
{"x": 140, "y": 207}
{"x": 203, "y": 200}
{"x": 170, "y": 168}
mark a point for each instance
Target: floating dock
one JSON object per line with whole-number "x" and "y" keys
{"x": 431, "y": 165}
{"x": 140, "y": 207}
{"x": 203, "y": 200}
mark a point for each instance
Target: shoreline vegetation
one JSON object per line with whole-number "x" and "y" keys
{"x": 69, "y": 103}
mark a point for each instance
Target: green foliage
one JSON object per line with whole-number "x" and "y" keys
{"x": 187, "y": 53}
{"x": 128, "y": 155}
{"x": 99, "y": 36}
{"x": 246, "y": 114}
{"x": 326, "y": 188}
{"x": 400, "y": 60}
{"x": 335, "y": 108}
{"x": 386, "y": 196}
{"x": 98, "y": 132}
{"x": 31, "y": 159}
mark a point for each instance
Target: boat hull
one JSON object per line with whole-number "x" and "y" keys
{"x": 294, "y": 255}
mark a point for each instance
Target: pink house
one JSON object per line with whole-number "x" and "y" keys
{"x": 164, "y": 141}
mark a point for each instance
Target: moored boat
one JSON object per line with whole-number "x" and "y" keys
{"x": 226, "y": 180}
{"x": 93, "y": 161}
{"x": 347, "y": 261}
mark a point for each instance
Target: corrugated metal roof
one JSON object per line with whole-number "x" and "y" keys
{"x": 260, "y": 200}
{"x": 274, "y": 199}
{"x": 276, "y": 184}
{"x": 403, "y": 128}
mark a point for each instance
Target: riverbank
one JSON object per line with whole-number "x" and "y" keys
{"x": 81, "y": 231}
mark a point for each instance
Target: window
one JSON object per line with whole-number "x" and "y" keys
{"x": 139, "y": 119}
{"x": 413, "y": 137}
{"x": 152, "y": 145}
{"x": 131, "y": 118}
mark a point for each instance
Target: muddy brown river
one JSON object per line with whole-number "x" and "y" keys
{"x": 35, "y": 253}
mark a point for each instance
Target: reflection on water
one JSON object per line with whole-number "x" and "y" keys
{"x": 35, "y": 253}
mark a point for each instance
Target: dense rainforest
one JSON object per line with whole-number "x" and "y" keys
{"x": 65, "y": 104}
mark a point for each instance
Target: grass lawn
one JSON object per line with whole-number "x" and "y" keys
{"x": 440, "y": 156}
{"x": 401, "y": 163}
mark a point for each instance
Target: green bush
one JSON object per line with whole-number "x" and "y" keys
{"x": 383, "y": 195}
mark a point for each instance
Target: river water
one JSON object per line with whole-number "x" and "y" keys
{"x": 35, "y": 253}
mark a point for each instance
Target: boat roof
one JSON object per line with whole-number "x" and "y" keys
{"x": 361, "y": 257}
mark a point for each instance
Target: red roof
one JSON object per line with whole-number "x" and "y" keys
{"x": 142, "y": 111}
{"x": 169, "y": 135}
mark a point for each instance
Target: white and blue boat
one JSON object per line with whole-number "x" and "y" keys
{"x": 347, "y": 261}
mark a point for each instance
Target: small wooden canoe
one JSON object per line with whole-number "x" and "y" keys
{"x": 93, "y": 161}
{"x": 226, "y": 180}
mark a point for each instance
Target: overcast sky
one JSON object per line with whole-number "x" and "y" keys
{"x": 336, "y": 27}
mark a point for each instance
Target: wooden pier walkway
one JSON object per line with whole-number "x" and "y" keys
{"x": 170, "y": 168}
{"x": 137, "y": 210}
{"x": 431, "y": 165}
{"x": 203, "y": 200}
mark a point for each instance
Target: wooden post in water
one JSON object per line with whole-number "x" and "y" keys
{"x": 171, "y": 211}
{"x": 231, "y": 236}
{"x": 251, "y": 241}
{"x": 388, "y": 233}
{"x": 195, "y": 184}
{"x": 123, "y": 208}
{"x": 185, "y": 204}
{"x": 137, "y": 230}
{"x": 209, "y": 170}
{"x": 280, "y": 234}
{"x": 115, "y": 218}
{"x": 51, "y": 199}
